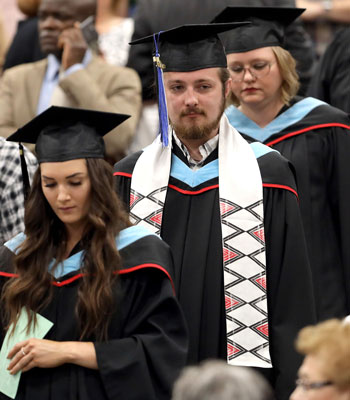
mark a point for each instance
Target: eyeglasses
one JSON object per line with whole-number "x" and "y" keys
{"x": 312, "y": 385}
{"x": 257, "y": 70}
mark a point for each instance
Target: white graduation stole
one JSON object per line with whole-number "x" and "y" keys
{"x": 242, "y": 225}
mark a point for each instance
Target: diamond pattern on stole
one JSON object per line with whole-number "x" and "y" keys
{"x": 148, "y": 210}
{"x": 245, "y": 282}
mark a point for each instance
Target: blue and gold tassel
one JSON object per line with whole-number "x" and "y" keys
{"x": 162, "y": 107}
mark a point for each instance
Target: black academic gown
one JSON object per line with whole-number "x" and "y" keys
{"x": 318, "y": 145}
{"x": 191, "y": 226}
{"x": 331, "y": 80}
{"x": 148, "y": 339}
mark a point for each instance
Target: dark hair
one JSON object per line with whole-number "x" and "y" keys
{"x": 46, "y": 239}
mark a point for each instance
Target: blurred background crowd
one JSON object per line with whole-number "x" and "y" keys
{"x": 120, "y": 79}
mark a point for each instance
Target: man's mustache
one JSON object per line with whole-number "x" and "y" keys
{"x": 192, "y": 110}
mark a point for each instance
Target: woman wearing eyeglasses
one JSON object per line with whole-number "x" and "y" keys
{"x": 325, "y": 372}
{"x": 314, "y": 136}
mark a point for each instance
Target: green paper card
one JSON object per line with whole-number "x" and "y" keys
{"x": 9, "y": 383}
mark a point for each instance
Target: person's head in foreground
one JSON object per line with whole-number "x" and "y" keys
{"x": 216, "y": 380}
{"x": 262, "y": 71}
{"x": 325, "y": 371}
{"x": 71, "y": 201}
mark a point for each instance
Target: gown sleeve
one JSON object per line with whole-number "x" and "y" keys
{"x": 339, "y": 194}
{"x": 145, "y": 362}
{"x": 289, "y": 284}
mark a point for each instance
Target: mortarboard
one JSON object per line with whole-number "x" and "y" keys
{"x": 183, "y": 49}
{"x": 190, "y": 47}
{"x": 267, "y": 26}
{"x": 63, "y": 134}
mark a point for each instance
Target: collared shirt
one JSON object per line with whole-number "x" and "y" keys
{"x": 205, "y": 150}
{"x": 11, "y": 188}
{"x": 52, "y": 76}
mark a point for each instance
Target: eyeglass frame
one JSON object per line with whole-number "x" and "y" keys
{"x": 269, "y": 64}
{"x": 312, "y": 385}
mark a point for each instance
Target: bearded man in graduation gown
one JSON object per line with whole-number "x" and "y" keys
{"x": 229, "y": 211}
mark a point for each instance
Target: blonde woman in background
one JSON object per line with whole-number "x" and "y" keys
{"x": 311, "y": 134}
{"x": 325, "y": 372}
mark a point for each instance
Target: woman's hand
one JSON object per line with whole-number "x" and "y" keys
{"x": 35, "y": 353}
{"x": 44, "y": 353}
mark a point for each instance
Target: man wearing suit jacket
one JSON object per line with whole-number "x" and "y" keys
{"x": 70, "y": 75}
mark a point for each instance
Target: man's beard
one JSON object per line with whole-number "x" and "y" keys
{"x": 201, "y": 131}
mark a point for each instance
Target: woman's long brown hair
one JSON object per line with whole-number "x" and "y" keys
{"x": 46, "y": 240}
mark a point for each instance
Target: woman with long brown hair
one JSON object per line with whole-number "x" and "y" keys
{"x": 104, "y": 286}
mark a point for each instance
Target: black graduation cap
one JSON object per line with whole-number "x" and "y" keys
{"x": 190, "y": 47}
{"x": 62, "y": 133}
{"x": 267, "y": 26}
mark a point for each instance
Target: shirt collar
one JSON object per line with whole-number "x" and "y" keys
{"x": 205, "y": 150}
{"x": 53, "y": 64}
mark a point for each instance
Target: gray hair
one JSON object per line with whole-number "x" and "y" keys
{"x": 216, "y": 380}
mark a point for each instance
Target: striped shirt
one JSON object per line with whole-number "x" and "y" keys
{"x": 205, "y": 150}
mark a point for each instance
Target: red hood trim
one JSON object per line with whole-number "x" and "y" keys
{"x": 121, "y": 272}
{"x": 122, "y": 174}
{"x": 276, "y": 186}
{"x": 310, "y": 128}
{"x": 193, "y": 192}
